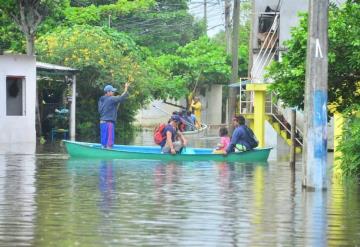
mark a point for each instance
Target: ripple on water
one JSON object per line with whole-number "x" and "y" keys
{"x": 53, "y": 201}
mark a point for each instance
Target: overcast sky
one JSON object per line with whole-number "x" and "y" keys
{"x": 215, "y": 13}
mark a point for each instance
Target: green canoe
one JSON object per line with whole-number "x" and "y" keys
{"x": 95, "y": 151}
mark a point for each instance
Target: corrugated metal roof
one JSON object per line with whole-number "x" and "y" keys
{"x": 237, "y": 84}
{"x": 53, "y": 67}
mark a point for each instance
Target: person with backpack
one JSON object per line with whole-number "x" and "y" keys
{"x": 171, "y": 135}
{"x": 243, "y": 138}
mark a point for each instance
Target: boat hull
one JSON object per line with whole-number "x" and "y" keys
{"x": 94, "y": 151}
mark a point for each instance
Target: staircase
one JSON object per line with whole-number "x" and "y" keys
{"x": 273, "y": 116}
{"x": 283, "y": 127}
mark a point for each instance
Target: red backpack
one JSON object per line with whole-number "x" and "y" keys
{"x": 158, "y": 133}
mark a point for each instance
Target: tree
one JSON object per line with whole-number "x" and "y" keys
{"x": 99, "y": 14}
{"x": 11, "y": 37}
{"x": 344, "y": 60}
{"x": 102, "y": 56}
{"x": 163, "y": 27}
{"x": 28, "y": 14}
{"x": 195, "y": 65}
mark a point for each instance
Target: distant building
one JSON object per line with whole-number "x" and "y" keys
{"x": 271, "y": 26}
{"x": 17, "y": 101}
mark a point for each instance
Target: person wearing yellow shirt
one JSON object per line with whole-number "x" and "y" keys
{"x": 196, "y": 108}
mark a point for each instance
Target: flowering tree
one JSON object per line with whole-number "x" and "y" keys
{"x": 103, "y": 56}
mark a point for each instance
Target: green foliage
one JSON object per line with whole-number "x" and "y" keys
{"x": 344, "y": 60}
{"x": 27, "y": 15}
{"x": 102, "y": 56}
{"x": 11, "y": 38}
{"x": 350, "y": 143}
{"x": 244, "y": 36}
{"x": 193, "y": 66}
{"x": 163, "y": 28}
{"x": 85, "y": 3}
{"x": 161, "y": 25}
{"x": 243, "y": 51}
{"x": 97, "y": 15}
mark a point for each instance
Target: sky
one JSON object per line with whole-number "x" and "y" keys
{"x": 215, "y": 13}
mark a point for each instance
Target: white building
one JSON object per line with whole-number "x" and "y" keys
{"x": 271, "y": 26}
{"x": 17, "y": 103}
{"x": 18, "y": 75}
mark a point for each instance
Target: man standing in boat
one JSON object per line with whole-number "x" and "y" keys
{"x": 108, "y": 106}
{"x": 171, "y": 134}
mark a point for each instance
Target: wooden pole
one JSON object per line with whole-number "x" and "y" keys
{"x": 73, "y": 109}
{"x": 251, "y": 39}
{"x": 205, "y": 16}
{"x": 315, "y": 134}
{"x": 293, "y": 140}
{"x": 235, "y": 67}
{"x": 228, "y": 26}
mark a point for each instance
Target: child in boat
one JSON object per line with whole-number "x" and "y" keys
{"x": 224, "y": 141}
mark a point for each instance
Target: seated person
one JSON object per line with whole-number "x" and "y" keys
{"x": 240, "y": 139}
{"x": 182, "y": 124}
{"x": 224, "y": 141}
{"x": 194, "y": 120}
{"x": 188, "y": 121}
{"x": 171, "y": 133}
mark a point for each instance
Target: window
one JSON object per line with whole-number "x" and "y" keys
{"x": 15, "y": 96}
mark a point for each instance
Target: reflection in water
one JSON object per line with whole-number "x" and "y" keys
{"x": 106, "y": 184}
{"x": 51, "y": 201}
{"x": 315, "y": 218}
{"x": 17, "y": 207}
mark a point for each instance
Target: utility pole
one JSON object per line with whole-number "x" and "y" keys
{"x": 234, "y": 69}
{"x": 315, "y": 134}
{"x": 205, "y": 16}
{"x": 293, "y": 140}
{"x": 251, "y": 40}
{"x": 228, "y": 26}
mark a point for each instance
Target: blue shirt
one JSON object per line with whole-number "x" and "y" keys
{"x": 167, "y": 128}
{"x": 108, "y": 106}
{"x": 193, "y": 118}
{"x": 240, "y": 136}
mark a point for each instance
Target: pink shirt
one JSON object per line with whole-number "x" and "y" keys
{"x": 224, "y": 141}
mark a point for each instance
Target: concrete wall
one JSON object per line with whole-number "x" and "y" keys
{"x": 289, "y": 17}
{"x": 150, "y": 115}
{"x": 18, "y": 129}
{"x": 211, "y": 109}
{"x": 211, "y": 105}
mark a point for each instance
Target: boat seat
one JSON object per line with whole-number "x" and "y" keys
{"x": 55, "y": 132}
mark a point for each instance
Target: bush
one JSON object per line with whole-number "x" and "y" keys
{"x": 350, "y": 143}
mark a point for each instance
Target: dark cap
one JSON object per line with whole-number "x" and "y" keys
{"x": 175, "y": 118}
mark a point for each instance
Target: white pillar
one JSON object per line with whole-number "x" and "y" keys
{"x": 73, "y": 109}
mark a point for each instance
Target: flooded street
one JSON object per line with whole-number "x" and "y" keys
{"x": 50, "y": 200}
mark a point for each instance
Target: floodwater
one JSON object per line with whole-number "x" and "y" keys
{"x": 48, "y": 199}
